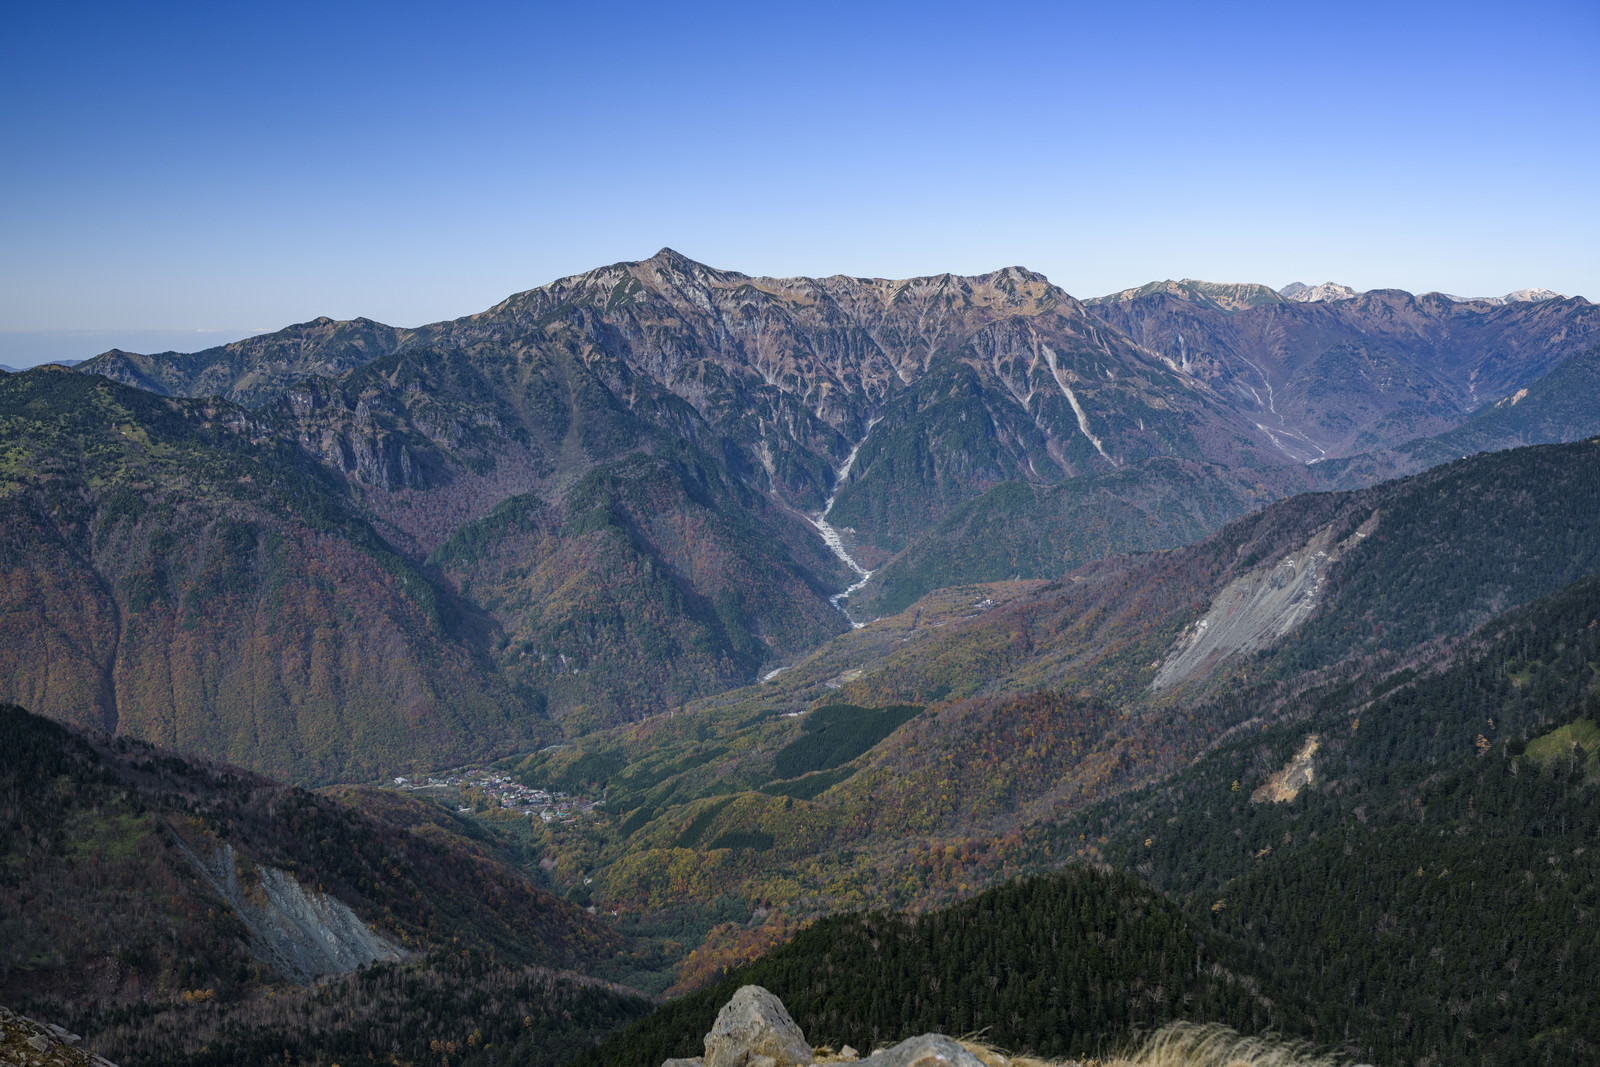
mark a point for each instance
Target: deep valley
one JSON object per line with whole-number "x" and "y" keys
{"x": 943, "y": 653}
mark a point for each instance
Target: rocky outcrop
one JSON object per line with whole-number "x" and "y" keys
{"x": 1258, "y": 609}
{"x": 755, "y": 1030}
{"x": 1296, "y": 775}
{"x": 26, "y": 1042}
{"x": 303, "y": 936}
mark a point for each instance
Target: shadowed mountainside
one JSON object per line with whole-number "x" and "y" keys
{"x": 173, "y": 574}
{"x": 114, "y": 918}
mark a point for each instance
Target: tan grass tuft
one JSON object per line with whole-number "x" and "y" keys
{"x": 1180, "y": 1045}
{"x": 1192, "y": 1045}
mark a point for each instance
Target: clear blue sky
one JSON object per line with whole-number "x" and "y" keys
{"x": 178, "y": 175}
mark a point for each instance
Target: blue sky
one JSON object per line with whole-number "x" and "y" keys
{"x": 180, "y": 175}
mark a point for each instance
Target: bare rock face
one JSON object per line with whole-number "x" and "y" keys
{"x": 929, "y": 1050}
{"x": 25, "y": 1042}
{"x": 303, "y": 936}
{"x": 754, "y": 1029}
{"x": 1286, "y": 784}
{"x": 1258, "y": 609}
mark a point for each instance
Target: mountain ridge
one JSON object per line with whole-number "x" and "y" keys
{"x": 603, "y": 492}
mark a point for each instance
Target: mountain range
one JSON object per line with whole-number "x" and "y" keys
{"x": 1279, "y": 604}
{"x": 599, "y": 499}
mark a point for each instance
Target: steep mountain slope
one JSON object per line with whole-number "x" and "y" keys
{"x": 659, "y": 559}
{"x": 1021, "y": 531}
{"x": 1435, "y": 786}
{"x": 1558, "y": 407}
{"x": 1332, "y": 378}
{"x": 173, "y": 572}
{"x": 167, "y": 908}
{"x": 1037, "y": 699}
{"x": 946, "y": 384}
{"x": 1444, "y": 550}
{"x": 608, "y": 486}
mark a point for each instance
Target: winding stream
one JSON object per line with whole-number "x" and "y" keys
{"x": 830, "y": 536}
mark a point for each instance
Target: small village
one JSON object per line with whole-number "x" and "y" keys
{"x": 503, "y": 791}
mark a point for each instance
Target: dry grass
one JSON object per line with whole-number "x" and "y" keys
{"x": 1182, "y": 1045}
{"x": 1176, "y": 1045}
{"x": 1188, "y": 1045}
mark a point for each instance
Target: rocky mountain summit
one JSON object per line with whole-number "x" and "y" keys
{"x": 1516, "y": 296}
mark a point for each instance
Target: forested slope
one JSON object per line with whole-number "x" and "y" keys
{"x": 1435, "y": 882}
{"x": 108, "y": 926}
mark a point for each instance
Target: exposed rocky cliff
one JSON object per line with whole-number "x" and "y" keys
{"x": 1258, "y": 609}
{"x": 302, "y": 936}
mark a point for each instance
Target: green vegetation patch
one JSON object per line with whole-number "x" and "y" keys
{"x": 755, "y": 840}
{"x": 697, "y": 827}
{"x": 1578, "y": 741}
{"x": 810, "y": 786}
{"x": 836, "y": 735}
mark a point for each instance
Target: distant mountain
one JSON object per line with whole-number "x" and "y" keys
{"x": 1301, "y": 293}
{"x": 1558, "y": 407}
{"x": 256, "y": 368}
{"x": 1519, "y": 296}
{"x": 652, "y": 437}
{"x": 599, "y": 499}
{"x": 1331, "y": 378}
{"x": 1218, "y": 295}
{"x": 54, "y": 363}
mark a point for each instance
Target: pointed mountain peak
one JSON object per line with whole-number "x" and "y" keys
{"x": 1301, "y": 293}
{"x": 671, "y": 259}
{"x": 1020, "y": 275}
{"x": 675, "y": 268}
{"x": 672, "y": 262}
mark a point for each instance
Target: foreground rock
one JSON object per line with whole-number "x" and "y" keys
{"x": 754, "y": 1029}
{"x": 25, "y": 1042}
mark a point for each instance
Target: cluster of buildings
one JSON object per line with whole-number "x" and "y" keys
{"x": 508, "y": 793}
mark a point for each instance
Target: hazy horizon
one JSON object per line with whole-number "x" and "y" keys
{"x": 181, "y": 173}
{"x": 24, "y": 349}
